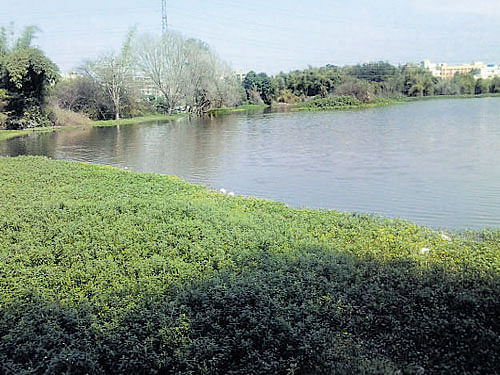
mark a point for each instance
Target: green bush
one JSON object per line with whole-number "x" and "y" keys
{"x": 33, "y": 117}
{"x": 332, "y": 102}
{"x": 107, "y": 271}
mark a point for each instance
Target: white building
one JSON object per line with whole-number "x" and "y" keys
{"x": 488, "y": 72}
{"x": 445, "y": 71}
{"x": 434, "y": 68}
{"x": 240, "y": 75}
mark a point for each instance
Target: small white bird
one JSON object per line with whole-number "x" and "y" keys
{"x": 231, "y": 194}
{"x": 223, "y": 191}
{"x": 425, "y": 250}
{"x": 445, "y": 237}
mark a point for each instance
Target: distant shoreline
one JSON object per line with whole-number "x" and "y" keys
{"x": 9, "y": 134}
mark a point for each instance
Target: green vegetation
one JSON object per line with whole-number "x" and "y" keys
{"x": 259, "y": 88}
{"x": 7, "y": 134}
{"x": 377, "y": 83}
{"x": 241, "y": 108}
{"x": 332, "y": 103}
{"x": 139, "y": 120}
{"x": 464, "y": 96}
{"x": 25, "y": 76}
{"x": 108, "y": 271}
{"x": 143, "y": 80}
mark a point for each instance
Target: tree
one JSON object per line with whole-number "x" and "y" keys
{"x": 114, "y": 73}
{"x": 495, "y": 85}
{"x": 83, "y": 95}
{"x": 418, "y": 81}
{"x": 465, "y": 82}
{"x": 310, "y": 82}
{"x": 358, "y": 88}
{"x": 210, "y": 82}
{"x": 186, "y": 71}
{"x": 374, "y": 72}
{"x": 447, "y": 87}
{"x": 25, "y": 76}
{"x": 259, "y": 86}
{"x": 482, "y": 86}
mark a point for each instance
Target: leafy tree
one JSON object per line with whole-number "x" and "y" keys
{"x": 25, "y": 76}
{"x": 482, "y": 86}
{"x": 418, "y": 81}
{"x": 374, "y": 72}
{"x": 310, "y": 82}
{"x": 260, "y": 84}
{"x": 495, "y": 85}
{"x": 465, "y": 82}
{"x": 447, "y": 87}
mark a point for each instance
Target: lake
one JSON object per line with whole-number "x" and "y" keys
{"x": 435, "y": 162}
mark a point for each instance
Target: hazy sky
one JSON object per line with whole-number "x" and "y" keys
{"x": 273, "y": 35}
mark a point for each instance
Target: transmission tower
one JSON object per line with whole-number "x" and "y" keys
{"x": 164, "y": 24}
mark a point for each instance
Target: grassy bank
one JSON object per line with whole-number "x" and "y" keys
{"x": 241, "y": 108}
{"x": 8, "y": 134}
{"x": 347, "y": 103}
{"x": 335, "y": 103}
{"x": 436, "y": 97}
{"x": 139, "y": 120}
{"x": 326, "y": 104}
{"x": 108, "y": 271}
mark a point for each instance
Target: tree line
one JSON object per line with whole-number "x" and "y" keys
{"x": 184, "y": 75}
{"x": 365, "y": 82}
{"x": 171, "y": 73}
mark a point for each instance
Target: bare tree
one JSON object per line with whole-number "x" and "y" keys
{"x": 186, "y": 71}
{"x": 163, "y": 62}
{"x": 114, "y": 73}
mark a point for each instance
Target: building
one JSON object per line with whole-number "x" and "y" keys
{"x": 241, "y": 76}
{"x": 488, "y": 72}
{"x": 146, "y": 86}
{"x": 449, "y": 71}
{"x": 426, "y": 64}
{"x": 445, "y": 71}
{"x": 71, "y": 75}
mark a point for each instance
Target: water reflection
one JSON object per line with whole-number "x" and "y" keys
{"x": 435, "y": 162}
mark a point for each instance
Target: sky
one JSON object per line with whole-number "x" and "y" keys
{"x": 272, "y": 35}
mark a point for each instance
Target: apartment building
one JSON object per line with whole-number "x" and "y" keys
{"x": 445, "y": 71}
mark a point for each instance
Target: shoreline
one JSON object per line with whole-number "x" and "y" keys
{"x": 9, "y": 134}
{"x": 138, "y": 120}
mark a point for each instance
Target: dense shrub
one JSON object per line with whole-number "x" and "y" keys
{"x": 107, "y": 271}
{"x": 40, "y": 338}
{"x": 25, "y": 77}
{"x": 359, "y": 89}
{"x": 64, "y": 117}
{"x": 332, "y": 102}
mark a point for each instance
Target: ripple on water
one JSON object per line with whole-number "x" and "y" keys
{"x": 433, "y": 162}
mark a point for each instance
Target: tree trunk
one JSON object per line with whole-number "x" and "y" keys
{"x": 116, "y": 102}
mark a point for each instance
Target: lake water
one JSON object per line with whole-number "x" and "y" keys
{"x": 434, "y": 162}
